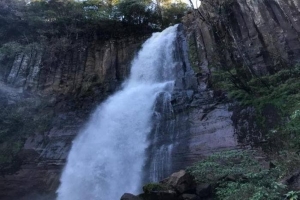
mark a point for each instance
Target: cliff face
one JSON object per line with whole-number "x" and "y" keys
{"x": 192, "y": 123}
{"x": 64, "y": 85}
{"x": 56, "y": 91}
{"x": 260, "y": 36}
{"x": 248, "y": 39}
{"x": 245, "y": 39}
{"x": 74, "y": 70}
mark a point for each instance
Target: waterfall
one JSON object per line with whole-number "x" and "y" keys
{"x": 162, "y": 140}
{"x": 108, "y": 157}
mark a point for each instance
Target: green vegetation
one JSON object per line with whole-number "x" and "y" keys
{"x": 219, "y": 165}
{"x": 292, "y": 195}
{"x": 272, "y": 92}
{"x": 193, "y": 54}
{"x": 43, "y": 20}
{"x": 238, "y": 175}
{"x": 280, "y": 91}
{"x": 153, "y": 187}
{"x": 56, "y": 27}
{"x": 20, "y": 120}
{"x": 276, "y": 99}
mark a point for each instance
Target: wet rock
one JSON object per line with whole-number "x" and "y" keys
{"x": 128, "y": 196}
{"x": 189, "y": 197}
{"x": 83, "y": 78}
{"x": 181, "y": 181}
{"x": 160, "y": 195}
{"x": 204, "y": 190}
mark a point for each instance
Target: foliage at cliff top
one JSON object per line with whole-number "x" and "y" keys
{"x": 41, "y": 19}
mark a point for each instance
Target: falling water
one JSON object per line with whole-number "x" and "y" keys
{"x": 162, "y": 140}
{"x": 108, "y": 157}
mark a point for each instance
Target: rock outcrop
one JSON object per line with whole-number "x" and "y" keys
{"x": 179, "y": 186}
{"x": 181, "y": 181}
{"x": 191, "y": 124}
{"x": 248, "y": 39}
{"x": 253, "y": 37}
{"x": 60, "y": 92}
{"x": 259, "y": 36}
{"x": 128, "y": 196}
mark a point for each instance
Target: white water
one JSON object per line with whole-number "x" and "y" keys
{"x": 108, "y": 157}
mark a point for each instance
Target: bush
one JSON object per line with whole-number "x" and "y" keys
{"x": 281, "y": 91}
{"x": 220, "y": 165}
{"x": 153, "y": 187}
{"x": 238, "y": 175}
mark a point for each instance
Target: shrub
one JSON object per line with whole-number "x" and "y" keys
{"x": 220, "y": 165}
{"x": 238, "y": 175}
{"x": 152, "y": 187}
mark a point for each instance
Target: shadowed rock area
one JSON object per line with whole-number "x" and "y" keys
{"x": 65, "y": 92}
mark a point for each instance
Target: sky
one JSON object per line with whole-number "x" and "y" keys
{"x": 195, "y": 2}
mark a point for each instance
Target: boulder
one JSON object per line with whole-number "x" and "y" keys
{"x": 189, "y": 197}
{"x": 182, "y": 182}
{"x": 128, "y": 196}
{"x": 293, "y": 180}
{"x": 204, "y": 190}
{"x": 160, "y": 195}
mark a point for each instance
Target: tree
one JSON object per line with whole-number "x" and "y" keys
{"x": 173, "y": 13}
{"x": 134, "y": 11}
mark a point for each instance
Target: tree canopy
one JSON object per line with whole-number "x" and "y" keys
{"x": 71, "y": 18}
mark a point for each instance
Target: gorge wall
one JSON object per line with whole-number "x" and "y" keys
{"x": 60, "y": 89}
{"x": 252, "y": 37}
{"x": 246, "y": 40}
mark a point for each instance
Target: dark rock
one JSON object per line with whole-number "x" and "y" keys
{"x": 259, "y": 30}
{"x": 128, "y": 196}
{"x": 181, "y": 181}
{"x": 189, "y": 197}
{"x": 257, "y": 35}
{"x": 272, "y": 165}
{"x": 200, "y": 123}
{"x": 204, "y": 190}
{"x": 83, "y": 77}
{"x": 160, "y": 195}
{"x": 293, "y": 181}
{"x": 234, "y": 177}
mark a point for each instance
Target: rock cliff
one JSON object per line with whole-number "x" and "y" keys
{"x": 259, "y": 36}
{"x": 245, "y": 39}
{"x": 192, "y": 123}
{"x": 60, "y": 89}
{"x": 64, "y": 85}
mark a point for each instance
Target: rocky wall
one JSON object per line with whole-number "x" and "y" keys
{"x": 248, "y": 39}
{"x": 63, "y": 87}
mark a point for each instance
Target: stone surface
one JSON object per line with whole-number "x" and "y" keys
{"x": 254, "y": 38}
{"x": 181, "y": 181}
{"x": 293, "y": 181}
{"x": 128, "y": 196}
{"x": 204, "y": 190}
{"x": 160, "y": 195}
{"x": 81, "y": 79}
{"x": 189, "y": 197}
{"x": 262, "y": 36}
{"x": 193, "y": 123}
